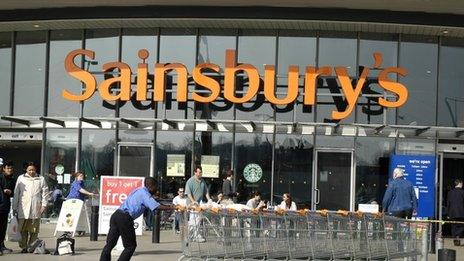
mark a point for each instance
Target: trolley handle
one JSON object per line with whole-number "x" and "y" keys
{"x": 318, "y": 196}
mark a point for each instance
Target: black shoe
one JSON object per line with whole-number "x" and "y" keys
{"x": 6, "y": 250}
{"x": 24, "y": 251}
{"x": 457, "y": 242}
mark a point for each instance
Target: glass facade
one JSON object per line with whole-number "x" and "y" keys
{"x": 285, "y": 155}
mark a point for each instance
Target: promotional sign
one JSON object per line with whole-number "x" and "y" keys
{"x": 420, "y": 171}
{"x": 113, "y": 192}
{"x": 175, "y": 166}
{"x": 252, "y": 173}
{"x": 210, "y": 166}
{"x": 73, "y": 217}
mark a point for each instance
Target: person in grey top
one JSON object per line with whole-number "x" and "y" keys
{"x": 196, "y": 188}
{"x": 196, "y": 191}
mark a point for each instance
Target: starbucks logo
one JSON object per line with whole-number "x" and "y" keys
{"x": 252, "y": 173}
{"x": 59, "y": 169}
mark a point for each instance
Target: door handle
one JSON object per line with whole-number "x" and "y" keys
{"x": 318, "y": 196}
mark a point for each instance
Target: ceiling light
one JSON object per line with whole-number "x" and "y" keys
{"x": 36, "y": 26}
{"x": 445, "y": 31}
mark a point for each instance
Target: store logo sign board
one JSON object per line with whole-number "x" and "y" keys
{"x": 201, "y": 75}
{"x": 252, "y": 173}
{"x": 420, "y": 171}
{"x": 113, "y": 192}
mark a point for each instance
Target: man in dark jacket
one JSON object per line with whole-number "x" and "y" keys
{"x": 8, "y": 183}
{"x": 456, "y": 210}
{"x": 400, "y": 198}
{"x": 227, "y": 186}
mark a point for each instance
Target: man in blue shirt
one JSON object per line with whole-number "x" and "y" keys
{"x": 400, "y": 198}
{"x": 122, "y": 221}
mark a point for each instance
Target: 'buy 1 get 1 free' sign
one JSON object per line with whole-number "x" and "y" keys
{"x": 113, "y": 192}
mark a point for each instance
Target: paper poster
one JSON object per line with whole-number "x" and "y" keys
{"x": 210, "y": 166}
{"x": 59, "y": 179}
{"x": 72, "y": 216}
{"x": 67, "y": 179}
{"x": 175, "y": 165}
{"x": 113, "y": 192}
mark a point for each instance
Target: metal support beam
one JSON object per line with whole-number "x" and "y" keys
{"x": 93, "y": 122}
{"x": 379, "y": 129}
{"x": 170, "y": 123}
{"x": 16, "y": 120}
{"x": 213, "y": 125}
{"x": 54, "y": 121}
{"x": 336, "y": 128}
{"x": 132, "y": 123}
{"x": 420, "y": 131}
{"x": 459, "y": 133}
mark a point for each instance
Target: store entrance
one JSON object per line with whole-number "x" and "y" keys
{"x": 333, "y": 184}
{"x": 135, "y": 159}
{"x": 20, "y": 152}
{"x": 452, "y": 169}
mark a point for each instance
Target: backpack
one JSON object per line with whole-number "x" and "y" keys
{"x": 64, "y": 245}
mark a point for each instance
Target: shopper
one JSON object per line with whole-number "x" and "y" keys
{"x": 7, "y": 183}
{"x": 255, "y": 202}
{"x": 228, "y": 190}
{"x": 455, "y": 205}
{"x": 287, "y": 203}
{"x": 77, "y": 190}
{"x": 122, "y": 221}
{"x": 179, "y": 201}
{"x": 29, "y": 202}
{"x": 197, "y": 191}
{"x": 400, "y": 198}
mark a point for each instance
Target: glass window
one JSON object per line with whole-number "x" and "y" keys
{"x": 253, "y": 149}
{"x": 421, "y": 80}
{"x": 214, "y": 144}
{"x": 451, "y": 82}
{"x": 177, "y": 46}
{"x": 293, "y": 168}
{"x": 295, "y": 48}
{"x": 169, "y": 143}
{"x": 213, "y": 44}
{"x": 335, "y": 49}
{"x": 134, "y": 40}
{"x": 97, "y": 157}
{"x": 372, "y": 163}
{"x": 29, "y": 73}
{"x": 258, "y": 48}
{"x": 136, "y": 135}
{"x": 5, "y": 73}
{"x": 61, "y": 43}
{"x": 104, "y": 42}
{"x": 60, "y": 156}
{"x": 368, "y": 109}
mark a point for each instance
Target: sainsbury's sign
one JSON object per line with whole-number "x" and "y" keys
{"x": 201, "y": 75}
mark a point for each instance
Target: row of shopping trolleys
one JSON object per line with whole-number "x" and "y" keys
{"x": 214, "y": 233}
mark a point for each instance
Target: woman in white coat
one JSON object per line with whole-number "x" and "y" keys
{"x": 29, "y": 202}
{"x": 287, "y": 203}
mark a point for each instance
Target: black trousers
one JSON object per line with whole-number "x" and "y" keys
{"x": 402, "y": 214}
{"x": 457, "y": 230}
{"x": 121, "y": 224}
{"x": 3, "y": 227}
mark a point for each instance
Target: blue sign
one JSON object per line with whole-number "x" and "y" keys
{"x": 420, "y": 171}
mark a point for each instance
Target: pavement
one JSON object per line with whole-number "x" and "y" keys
{"x": 168, "y": 249}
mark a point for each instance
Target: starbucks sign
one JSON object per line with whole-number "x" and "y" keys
{"x": 252, "y": 173}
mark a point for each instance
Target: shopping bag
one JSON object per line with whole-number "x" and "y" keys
{"x": 14, "y": 235}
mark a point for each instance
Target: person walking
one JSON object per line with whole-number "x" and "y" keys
{"x": 196, "y": 190}
{"x": 122, "y": 220}
{"x": 400, "y": 198}
{"x": 29, "y": 202}
{"x": 227, "y": 186}
{"x": 455, "y": 204}
{"x": 7, "y": 183}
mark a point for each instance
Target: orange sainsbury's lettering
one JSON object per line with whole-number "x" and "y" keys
{"x": 202, "y": 76}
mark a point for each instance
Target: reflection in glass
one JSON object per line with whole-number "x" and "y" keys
{"x": 372, "y": 163}
{"x": 104, "y": 42}
{"x": 421, "y": 80}
{"x": 214, "y": 144}
{"x": 61, "y": 43}
{"x": 29, "y": 73}
{"x": 97, "y": 157}
{"x": 253, "y": 148}
{"x": 134, "y": 161}
{"x": 293, "y": 168}
{"x": 451, "y": 86}
{"x": 134, "y": 40}
{"x": 5, "y": 72}
{"x": 171, "y": 142}
{"x": 177, "y": 46}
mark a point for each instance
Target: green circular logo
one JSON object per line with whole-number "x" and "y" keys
{"x": 252, "y": 172}
{"x": 59, "y": 169}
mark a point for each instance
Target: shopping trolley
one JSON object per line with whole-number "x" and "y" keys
{"x": 220, "y": 233}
